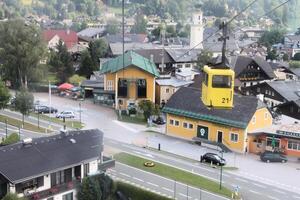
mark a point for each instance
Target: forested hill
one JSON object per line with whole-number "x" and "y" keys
{"x": 288, "y": 15}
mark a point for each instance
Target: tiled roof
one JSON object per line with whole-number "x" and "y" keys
{"x": 290, "y": 90}
{"x": 192, "y": 106}
{"x": 67, "y": 36}
{"x": 49, "y": 154}
{"x": 130, "y": 59}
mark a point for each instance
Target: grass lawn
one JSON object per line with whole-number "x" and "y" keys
{"x": 69, "y": 123}
{"x": 138, "y": 119}
{"x": 18, "y": 123}
{"x": 173, "y": 173}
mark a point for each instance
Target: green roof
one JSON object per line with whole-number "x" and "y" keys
{"x": 130, "y": 59}
{"x": 208, "y": 118}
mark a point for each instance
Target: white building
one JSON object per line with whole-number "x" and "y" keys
{"x": 197, "y": 30}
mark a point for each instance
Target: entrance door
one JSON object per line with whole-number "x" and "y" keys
{"x": 220, "y": 136}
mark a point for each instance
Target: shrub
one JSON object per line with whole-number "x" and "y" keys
{"x": 11, "y": 139}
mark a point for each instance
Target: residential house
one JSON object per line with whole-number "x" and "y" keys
{"x": 184, "y": 59}
{"x": 94, "y": 33}
{"x": 290, "y": 108}
{"x": 253, "y": 33}
{"x": 131, "y": 82}
{"x": 52, "y": 167}
{"x": 129, "y": 38}
{"x": 276, "y": 92}
{"x": 166, "y": 87}
{"x": 282, "y": 71}
{"x": 254, "y": 51}
{"x": 292, "y": 44}
{"x": 251, "y": 71}
{"x": 52, "y": 37}
{"x": 116, "y": 49}
{"x": 188, "y": 118}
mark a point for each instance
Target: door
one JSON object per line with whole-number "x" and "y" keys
{"x": 220, "y": 136}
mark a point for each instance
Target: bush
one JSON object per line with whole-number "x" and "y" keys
{"x": 11, "y": 196}
{"x": 11, "y": 139}
{"x": 136, "y": 193}
{"x": 294, "y": 64}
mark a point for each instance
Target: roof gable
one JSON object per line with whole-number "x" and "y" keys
{"x": 130, "y": 58}
{"x": 70, "y": 38}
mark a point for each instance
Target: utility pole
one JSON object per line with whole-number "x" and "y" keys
{"x": 224, "y": 38}
{"x": 221, "y": 171}
{"x": 163, "y": 33}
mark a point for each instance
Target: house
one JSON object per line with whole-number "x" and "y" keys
{"x": 52, "y": 167}
{"x": 282, "y": 71}
{"x": 283, "y": 136}
{"x": 158, "y": 56}
{"x": 292, "y": 44}
{"x": 52, "y": 37}
{"x": 129, "y": 38}
{"x": 253, "y": 33}
{"x": 251, "y": 71}
{"x": 93, "y": 33}
{"x": 166, "y": 87}
{"x": 184, "y": 59}
{"x": 254, "y": 51}
{"x": 188, "y": 118}
{"x": 116, "y": 48}
{"x": 276, "y": 92}
{"x": 290, "y": 108}
{"x": 131, "y": 82}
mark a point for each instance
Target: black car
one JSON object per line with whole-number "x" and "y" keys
{"x": 213, "y": 158}
{"x": 159, "y": 121}
{"x": 45, "y": 109}
{"x": 272, "y": 157}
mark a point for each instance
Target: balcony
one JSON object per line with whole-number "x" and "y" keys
{"x": 107, "y": 163}
{"x": 54, "y": 190}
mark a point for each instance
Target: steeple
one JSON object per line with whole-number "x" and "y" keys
{"x": 197, "y": 29}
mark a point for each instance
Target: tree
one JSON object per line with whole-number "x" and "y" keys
{"x": 285, "y": 57}
{"x": 11, "y": 139}
{"x": 87, "y": 66}
{"x": 272, "y": 37}
{"x": 140, "y": 25}
{"x": 24, "y": 102}
{"x": 97, "y": 49}
{"x": 271, "y": 54}
{"x": 4, "y": 95}
{"x": 76, "y": 80}
{"x": 61, "y": 62}
{"x": 21, "y": 50}
{"x": 204, "y": 58}
{"x": 11, "y": 196}
{"x": 297, "y": 57}
{"x": 112, "y": 27}
{"x": 298, "y": 31}
{"x": 148, "y": 108}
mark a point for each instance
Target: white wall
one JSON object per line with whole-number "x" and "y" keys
{"x": 93, "y": 167}
{"x": 60, "y": 196}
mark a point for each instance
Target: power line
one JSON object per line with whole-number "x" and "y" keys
{"x": 213, "y": 34}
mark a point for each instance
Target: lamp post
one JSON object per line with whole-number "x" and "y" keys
{"x": 38, "y": 120}
{"x": 221, "y": 171}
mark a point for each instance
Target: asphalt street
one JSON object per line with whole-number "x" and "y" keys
{"x": 250, "y": 189}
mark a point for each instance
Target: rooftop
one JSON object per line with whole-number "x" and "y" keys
{"x": 21, "y": 162}
{"x": 91, "y": 32}
{"x": 172, "y": 82}
{"x": 290, "y": 90}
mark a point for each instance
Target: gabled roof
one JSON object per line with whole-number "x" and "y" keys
{"x": 49, "y": 154}
{"x": 192, "y": 107}
{"x": 241, "y": 63}
{"x": 67, "y": 36}
{"x": 157, "y": 55}
{"x": 135, "y": 38}
{"x": 181, "y": 55}
{"x": 130, "y": 59}
{"x": 290, "y": 90}
{"x": 116, "y": 48}
{"x": 91, "y": 32}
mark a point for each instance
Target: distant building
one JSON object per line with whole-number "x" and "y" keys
{"x": 52, "y": 167}
{"x": 52, "y": 37}
{"x": 197, "y": 27}
{"x": 94, "y": 33}
{"x": 292, "y": 44}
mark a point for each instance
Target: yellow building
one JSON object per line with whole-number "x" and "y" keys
{"x": 130, "y": 83}
{"x": 189, "y": 118}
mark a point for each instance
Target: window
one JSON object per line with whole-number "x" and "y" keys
{"x": 266, "y": 115}
{"x": 273, "y": 94}
{"x": 294, "y": 145}
{"x": 269, "y": 142}
{"x": 167, "y": 90}
{"x": 179, "y": 66}
{"x": 141, "y": 88}
{"x": 205, "y": 78}
{"x": 266, "y": 92}
{"x": 234, "y": 137}
{"x": 110, "y": 85}
{"x": 185, "y": 125}
{"x": 58, "y": 178}
{"x": 176, "y": 123}
{"x": 187, "y": 65}
{"x": 253, "y": 120}
{"x": 191, "y": 126}
{"x": 68, "y": 196}
{"x": 171, "y": 121}
{"x": 221, "y": 81}
{"x": 86, "y": 169}
{"x": 292, "y": 109}
{"x": 122, "y": 88}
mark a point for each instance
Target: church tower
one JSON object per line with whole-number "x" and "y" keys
{"x": 197, "y": 29}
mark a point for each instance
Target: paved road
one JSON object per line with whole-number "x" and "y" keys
{"x": 160, "y": 185}
{"x": 250, "y": 189}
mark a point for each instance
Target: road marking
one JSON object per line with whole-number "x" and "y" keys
{"x": 184, "y": 195}
{"x": 258, "y": 185}
{"x": 271, "y": 197}
{"x": 125, "y": 174}
{"x": 278, "y": 191}
{"x": 125, "y": 126}
{"x": 226, "y": 175}
{"x": 254, "y": 192}
{"x": 138, "y": 179}
{"x": 152, "y": 184}
{"x": 169, "y": 190}
{"x": 240, "y": 179}
{"x": 296, "y": 197}
{"x": 172, "y": 181}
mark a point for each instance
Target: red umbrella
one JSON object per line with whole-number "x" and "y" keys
{"x": 65, "y": 86}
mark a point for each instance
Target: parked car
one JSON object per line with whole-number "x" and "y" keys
{"x": 213, "y": 158}
{"x": 272, "y": 157}
{"x": 159, "y": 121}
{"x": 65, "y": 114}
{"x": 44, "y": 109}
